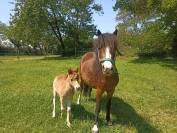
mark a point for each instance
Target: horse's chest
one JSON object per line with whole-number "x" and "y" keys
{"x": 109, "y": 83}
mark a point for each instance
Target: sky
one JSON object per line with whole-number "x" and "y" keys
{"x": 5, "y": 9}
{"x": 105, "y": 22}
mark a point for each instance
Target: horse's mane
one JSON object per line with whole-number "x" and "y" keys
{"x": 104, "y": 40}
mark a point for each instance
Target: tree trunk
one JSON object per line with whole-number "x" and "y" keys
{"x": 59, "y": 38}
{"x": 56, "y": 31}
{"x": 41, "y": 49}
{"x": 17, "y": 44}
{"x": 76, "y": 43}
{"x": 61, "y": 41}
{"x": 18, "y": 53}
{"x": 75, "y": 50}
{"x": 174, "y": 46}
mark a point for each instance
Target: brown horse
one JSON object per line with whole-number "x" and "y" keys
{"x": 98, "y": 70}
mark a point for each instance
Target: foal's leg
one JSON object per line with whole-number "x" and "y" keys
{"x": 62, "y": 103}
{"x": 68, "y": 114}
{"x": 79, "y": 98}
{"x": 99, "y": 93}
{"x": 54, "y": 94}
{"x": 81, "y": 91}
{"x": 108, "y": 107}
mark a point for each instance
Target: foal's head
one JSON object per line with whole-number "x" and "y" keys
{"x": 74, "y": 79}
{"x": 106, "y": 47}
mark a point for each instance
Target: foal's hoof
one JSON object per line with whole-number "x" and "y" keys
{"x": 109, "y": 123}
{"x": 78, "y": 102}
{"x": 95, "y": 129}
{"x": 53, "y": 115}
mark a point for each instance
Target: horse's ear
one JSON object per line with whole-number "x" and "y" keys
{"x": 98, "y": 33}
{"x": 115, "y": 32}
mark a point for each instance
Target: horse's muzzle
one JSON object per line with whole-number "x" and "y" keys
{"x": 108, "y": 71}
{"x": 107, "y": 67}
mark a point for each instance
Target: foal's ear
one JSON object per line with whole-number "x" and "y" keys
{"x": 98, "y": 33}
{"x": 77, "y": 69}
{"x": 115, "y": 32}
{"x": 70, "y": 71}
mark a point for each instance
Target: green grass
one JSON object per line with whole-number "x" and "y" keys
{"x": 144, "y": 101}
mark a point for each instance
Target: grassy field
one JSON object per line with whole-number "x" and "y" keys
{"x": 145, "y": 100}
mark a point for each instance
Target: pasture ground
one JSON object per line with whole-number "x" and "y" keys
{"x": 144, "y": 101}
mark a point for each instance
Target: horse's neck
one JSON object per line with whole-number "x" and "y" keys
{"x": 97, "y": 65}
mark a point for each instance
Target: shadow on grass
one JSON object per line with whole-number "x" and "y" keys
{"x": 126, "y": 115}
{"x": 58, "y": 57}
{"x": 81, "y": 114}
{"x": 164, "y": 62}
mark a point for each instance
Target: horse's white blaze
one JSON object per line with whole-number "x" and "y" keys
{"x": 107, "y": 64}
{"x": 108, "y": 54}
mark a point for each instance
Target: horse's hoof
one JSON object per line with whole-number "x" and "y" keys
{"x": 95, "y": 129}
{"x": 109, "y": 123}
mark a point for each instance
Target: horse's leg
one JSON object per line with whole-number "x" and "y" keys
{"x": 108, "y": 107}
{"x": 89, "y": 92}
{"x": 99, "y": 93}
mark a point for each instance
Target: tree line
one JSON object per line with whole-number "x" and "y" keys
{"x": 148, "y": 25}
{"x": 53, "y": 24}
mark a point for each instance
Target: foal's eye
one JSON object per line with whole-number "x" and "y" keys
{"x": 74, "y": 79}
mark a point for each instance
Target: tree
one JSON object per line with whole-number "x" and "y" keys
{"x": 146, "y": 15}
{"x": 39, "y": 19}
{"x": 3, "y": 28}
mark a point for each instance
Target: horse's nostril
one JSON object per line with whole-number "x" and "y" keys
{"x": 78, "y": 88}
{"x": 103, "y": 66}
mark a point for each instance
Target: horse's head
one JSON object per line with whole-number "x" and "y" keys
{"x": 106, "y": 47}
{"x": 74, "y": 78}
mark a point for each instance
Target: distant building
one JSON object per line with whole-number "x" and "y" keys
{"x": 5, "y": 42}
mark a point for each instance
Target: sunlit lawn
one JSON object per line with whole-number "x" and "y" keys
{"x": 144, "y": 101}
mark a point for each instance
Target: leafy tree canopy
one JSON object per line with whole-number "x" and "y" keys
{"x": 37, "y": 21}
{"x": 154, "y": 21}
